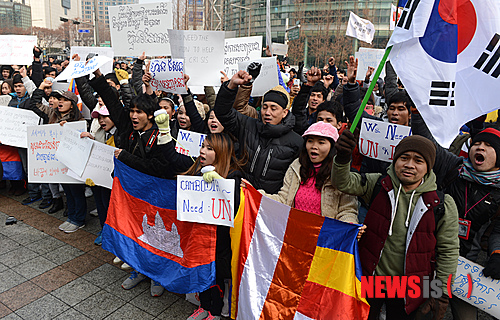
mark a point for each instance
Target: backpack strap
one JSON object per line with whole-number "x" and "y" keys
{"x": 376, "y": 188}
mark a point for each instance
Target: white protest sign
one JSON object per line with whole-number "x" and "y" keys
{"x": 395, "y": 14}
{"x": 199, "y": 201}
{"x": 268, "y": 77}
{"x": 74, "y": 151}
{"x": 76, "y": 69}
{"x": 14, "y": 124}
{"x": 202, "y": 52}
{"x": 485, "y": 293}
{"x": 189, "y": 142}
{"x": 360, "y": 28}
{"x": 238, "y": 50}
{"x": 43, "y": 142}
{"x": 16, "y": 49}
{"x": 378, "y": 139}
{"x": 280, "y": 49}
{"x": 141, "y": 27}
{"x": 102, "y": 51}
{"x": 168, "y": 75}
{"x": 99, "y": 167}
{"x": 368, "y": 57}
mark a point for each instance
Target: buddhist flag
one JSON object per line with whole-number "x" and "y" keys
{"x": 142, "y": 229}
{"x": 290, "y": 264}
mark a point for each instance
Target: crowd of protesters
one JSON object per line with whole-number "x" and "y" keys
{"x": 417, "y": 214}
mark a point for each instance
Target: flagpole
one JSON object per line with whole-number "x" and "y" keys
{"x": 370, "y": 89}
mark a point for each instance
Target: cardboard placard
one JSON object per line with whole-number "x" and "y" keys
{"x": 378, "y": 139}
{"x": 189, "y": 142}
{"x": 141, "y": 27}
{"x": 280, "y": 49}
{"x": 74, "y": 151}
{"x": 43, "y": 142}
{"x": 202, "y": 52}
{"x": 17, "y": 49}
{"x": 199, "y": 201}
{"x": 368, "y": 57}
{"x": 268, "y": 77}
{"x": 168, "y": 75}
{"x": 102, "y": 51}
{"x": 76, "y": 69}
{"x": 238, "y": 50}
{"x": 14, "y": 124}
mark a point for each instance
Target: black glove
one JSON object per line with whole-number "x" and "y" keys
{"x": 254, "y": 70}
{"x": 433, "y": 308}
{"x": 37, "y": 53}
{"x": 345, "y": 145}
{"x": 492, "y": 268}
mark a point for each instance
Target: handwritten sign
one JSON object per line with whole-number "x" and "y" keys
{"x": 238, "y": 50}
{"x": 141, "y": 27}
{"x": 360, "y": 28}
{"x": 280, "y": 49}
{"x": 268, "y": 77}
{"x": 368, "y": 57}
{"x": 102, "y": 51}
{"x": 485, "y": 293}
{"x": 76, "y": 69}
{"x": 73, "y": 151}
{"x": 99, "y": 167}
{"x": 43, "y": 142}
{"x": 378, "y": 139}
{"x": 14, "y": 124}
{"x": 202, "y": 54}
{"x": 199, "y": 201}
{"x": 168, "y": 75}
{"x": 189, "y": 142}
{"x": 16, "y": 49}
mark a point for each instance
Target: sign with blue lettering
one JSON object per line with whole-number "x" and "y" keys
{"x": 189, "y": 142}
{"x": 76, "y": 69}
{"x": 378, "y": 139}
{"x": 202, "y": 202}
{"x": 83, "y": 30}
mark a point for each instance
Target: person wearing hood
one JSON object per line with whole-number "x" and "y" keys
{"x": 270, "y": 142}
{"x": 411, "y": 229}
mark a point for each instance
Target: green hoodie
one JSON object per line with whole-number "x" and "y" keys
{"x": 393, "y": 255}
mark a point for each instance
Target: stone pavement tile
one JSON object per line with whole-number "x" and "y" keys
{"x": 99, "y": 305}
{"x": 154, "y": 305}
{"x": 73, "y": 315}
{"x": 4, "y": 310}
{"x": 28, "y": 236}
{"x": 45, "y": 245}
{"x": 3, "y": 267}
{"x": 82, "y": 264}
{"x": 47, "y": 307}
{"x": 105, "y": 275}
{"x": 14, "y": 229}
{"x": 75, "y": 292}
{"x": 35, "y": 267}
{"x": 116, "y": 289}
{"x": 21, "y": 295}
{"x": 102, "y": 254}
{"x": 63, "y": 254}
{"x": 10, "y": 279}
{"x": 79, "y": 239}
{"x": 12, "y": 316}
{"x": 7, "y": 245}
{"x": 54, "y": 279}
{"x": 16, "y": 257}
{"x": 181, "y": 309}
{"x": 128, "y": 311}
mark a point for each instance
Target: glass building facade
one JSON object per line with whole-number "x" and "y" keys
{"x": 15, "y": 14}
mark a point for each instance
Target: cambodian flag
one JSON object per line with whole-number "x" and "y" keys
{"x": 11, "y": 162}
{"x": 142, "y": 229}
{"x": 291, "y": 264}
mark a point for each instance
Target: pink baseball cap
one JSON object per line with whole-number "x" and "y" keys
{"x": 103, "y": 111}
{"x": 322, "y": 129}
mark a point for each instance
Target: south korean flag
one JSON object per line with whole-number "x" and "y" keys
{"x": 412, "y": 22}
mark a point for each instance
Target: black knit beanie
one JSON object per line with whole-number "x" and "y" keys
{"x": 492, "y": 136}
{"x": 425, "y": 147}
{"x": 277, "y": 97}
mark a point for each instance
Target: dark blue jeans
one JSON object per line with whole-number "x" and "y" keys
{"x": 34, "y": 191}
{"x": 102, "y": 196}
{"x": 77, "y": 204}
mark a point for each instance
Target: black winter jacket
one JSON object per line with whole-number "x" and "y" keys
{"x": 271, "y": 148}
{"x": 485, "y": 198}
{"x": 136, "y": 153}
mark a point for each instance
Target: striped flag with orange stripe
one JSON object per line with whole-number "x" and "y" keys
{"x": 290, "y": 264}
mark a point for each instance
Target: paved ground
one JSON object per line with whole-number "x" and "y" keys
{"x": 47, "y": 274}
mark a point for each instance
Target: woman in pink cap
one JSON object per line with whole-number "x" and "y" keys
{"x": 307, "y": 184}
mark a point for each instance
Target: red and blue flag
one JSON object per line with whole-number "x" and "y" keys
{"x": 142, "y": 229}
{"x": 11, "y": 162}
